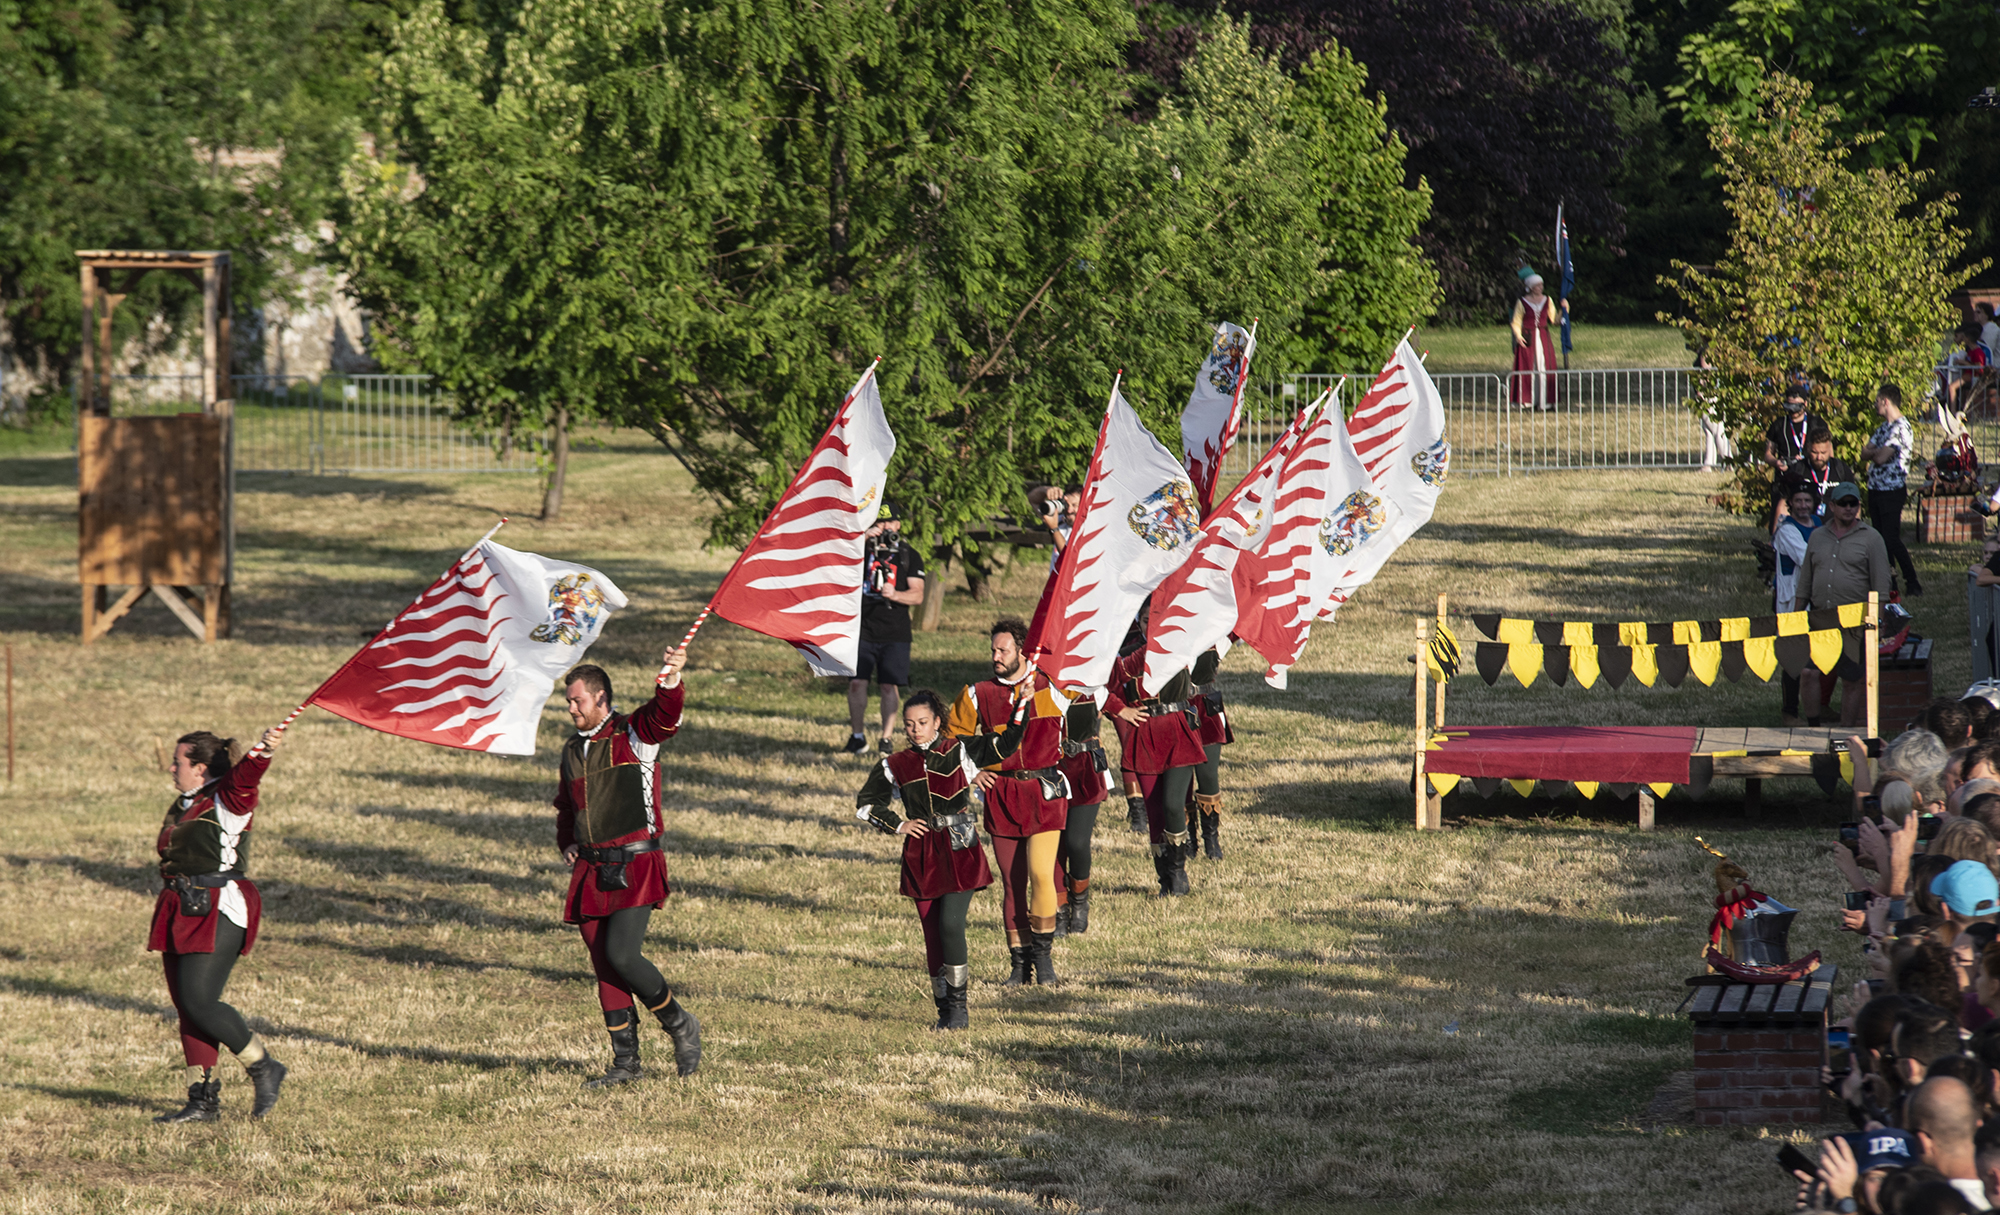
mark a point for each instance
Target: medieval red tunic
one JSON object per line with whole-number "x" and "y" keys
{"x": 1016, "y": 804}
{"x": 1167, "y": 739}
{"x": 207, "y": 832}
{"x": 931, "y": 783}
{"x": 609, "y": 796}
{"x": 1534, "y": 380}
{"x": 1214, "y": 726}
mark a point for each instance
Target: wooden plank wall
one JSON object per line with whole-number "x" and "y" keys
{"x": 151, "y": 500}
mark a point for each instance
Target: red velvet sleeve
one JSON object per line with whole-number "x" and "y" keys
{"x": 565, "y": 815}
{"x": 659, "y": 718}
{"x": 237, "y": 792}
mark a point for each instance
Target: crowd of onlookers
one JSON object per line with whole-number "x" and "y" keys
{"x": 1917, "y": 1062}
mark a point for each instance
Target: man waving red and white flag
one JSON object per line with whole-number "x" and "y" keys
{"x": 1398, "y": 432}
{"x": 799, "y": 579}
{"x": 471, "y": 662}
{"x": 1197, "y": 606}
{"x": 1138, "y": 522}
{"x": 1328, "y": 513}
{"x": 1214, "y": 410}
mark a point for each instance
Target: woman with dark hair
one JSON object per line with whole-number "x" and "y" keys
{"x": 207, "y": 915}
{"x": 924, "y": 794}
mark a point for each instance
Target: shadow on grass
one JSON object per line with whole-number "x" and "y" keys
{"x": 421, "y": 958}
{"x": 100, "y": 1098}
{"x": 139, "y": 879}
{"x": 1605, "y": 1101}
{"x": 50, "y": 990}
{"x": 369, "y": 861}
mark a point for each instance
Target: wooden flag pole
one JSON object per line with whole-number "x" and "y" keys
{"x": 293, "y": 716}
{"x": 10, "y": 712}
{"x": 1872, "y": 661}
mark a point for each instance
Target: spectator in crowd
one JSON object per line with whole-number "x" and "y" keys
{"x": 1821, "y": 469}
{"x": 1887, "y": 455}
{"x": 1845, "y": 561}
{"x": 1794, "y": 530}
{"x": 892, "y": 582}
{"x": 1989, "y": 333}
{"x": 1852, "y": 1169}
{"x": 1984, "y": 763}
{"x": 1785, "y": 437}
{"x": 1926, "y": 972}
{"x": 1967, "y": 367}
{"x": 1921, "y": 1190}
{"x": 1962, "y": 839}
{"x": 1981, "y": 804}
{"x": 1986, "y": 1150}
{"x": 1951, "y": 720}
{"x": 1716, "y": 445}
{"x": 1943, "y": 1118}
{"x": 1917, "y": 754}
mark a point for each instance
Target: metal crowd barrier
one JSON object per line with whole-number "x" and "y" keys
{"x": 334, "y": 424}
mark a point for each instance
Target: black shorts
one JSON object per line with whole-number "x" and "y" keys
{"x": 886, "y": 662}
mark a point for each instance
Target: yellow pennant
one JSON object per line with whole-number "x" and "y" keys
{"x": 1791, "y": 624}
{"x": 1705, "y": 661}
{"x": 1516, "y": 632}
{"x": 1632, "y": 633}
{"x": 1646, "y": 663}
{"x": 1760, "y": 654}
{"x": 1588, "y": 788}
{"x": 1583, "y": 665}
{"x": 1525, "y": 661}
{"x": 1660, "y": 787}
{"x": 1852, "y": 615}
{"x": 1847, "y": 768}
{"x": 1736, "y": 628}
{"x": 1826, "y": 648}
{"x": 1578, "y": 632}
{"x": 1443, "y": 782}
{"x": 1523, "y": 787}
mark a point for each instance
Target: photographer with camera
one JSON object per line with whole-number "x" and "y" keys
{"x": 892, "y": 582}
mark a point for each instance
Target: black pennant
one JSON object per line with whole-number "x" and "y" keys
{"x": 1549, "y": 632}
{"x": 1487, "y": 623}
{"x": 1711, "y": 630}
{"x": 1660, "y": 634}
{"x": 1794, "y": 653}
{"x": 1763, "y": 626}
{"x": 1490, "y": 659}
{"x": 1673, "y": 660}
{"x": 1555, "y": 663}
{"x": 1733, "y": 664}
{"x": 1614, "y": 662}
{"x": 1604, "y": 635}
{"x": 1823, "y": 618}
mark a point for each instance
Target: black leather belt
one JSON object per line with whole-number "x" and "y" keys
{"x": 202, "y": 881}
{"x": 1032, "y": 773}
{"x": 1160, "y": 708}
{"x": 616, "y": 856}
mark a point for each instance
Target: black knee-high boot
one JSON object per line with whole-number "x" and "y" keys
{"x": 683, "y": 1030}
{"x": 1209, "y": 808}
{"x": 1041, "y": 951}
{"x": 1017, "y": 955}
{"x": 623, "y": 1025}
{"x": 949, "y": 985}
{"x": 1135, "y": 814}
{"x": 1079, "y": 906}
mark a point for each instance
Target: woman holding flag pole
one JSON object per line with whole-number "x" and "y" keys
{"x": 207, "y": 914}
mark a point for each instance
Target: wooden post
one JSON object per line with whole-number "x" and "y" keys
{"x": 10, "y": 712}
{"x": 1425, "y": 799}
{"x": 1645, "y": 799}
{"x": 86, "y": 378}
{"x": 1871, "y": 658}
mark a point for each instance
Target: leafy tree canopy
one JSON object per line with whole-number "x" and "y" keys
{"x": 118, "y": 121}
{"x": 707, "y": 221}
{"x": 1834, "y": 268}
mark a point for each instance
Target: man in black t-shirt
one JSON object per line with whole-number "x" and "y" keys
{"x": 1785, "y": 438}
{"x": 892, "y": 582}
{"x": 1821, "y": 469}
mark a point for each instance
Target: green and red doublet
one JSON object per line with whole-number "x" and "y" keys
{"x": 1169, "y": 738}
{"x": 610, "y": 796}
{"x": 931, "y": 783}
{"x": 207, "y": 835}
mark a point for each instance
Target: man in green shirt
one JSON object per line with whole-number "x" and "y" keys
{"x": 1844, "y": 561}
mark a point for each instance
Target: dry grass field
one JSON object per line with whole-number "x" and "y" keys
{"x": 1346, "y": 1015}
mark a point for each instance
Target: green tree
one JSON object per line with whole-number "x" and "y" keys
{"x": 115, "y": 124}
{"x": 1832, "y": 268}
{"x": 706, "y": 221}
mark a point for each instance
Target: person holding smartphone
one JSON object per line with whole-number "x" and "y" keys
{"x": 1851, "y": 1168}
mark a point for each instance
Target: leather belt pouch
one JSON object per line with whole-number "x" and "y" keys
{"x": 962, "y": 828}
{"x": 611, "y": 875}
{"x": 197, "y": 895}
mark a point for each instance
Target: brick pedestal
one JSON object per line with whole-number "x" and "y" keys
{"x": 1903, "y": 686}
{"x": 1948, "y": 518}
{"x": 1758, "y": 1050}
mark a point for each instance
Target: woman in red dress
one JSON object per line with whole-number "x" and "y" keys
{"x": 1533, "y": 384}
{"x": 207, "y": 915}
{"x": 924, "y": 795}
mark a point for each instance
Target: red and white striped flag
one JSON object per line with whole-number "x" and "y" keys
{"x": 1139, "y": 521}
{"x": 1398, "y": 432}
{"x": 471, "y": 662}
{"x": 1327, "y": 512}
{"x": 799, "y": 579}
{"x": 1196, "y": 607}
{"x": 1214, "y": 410}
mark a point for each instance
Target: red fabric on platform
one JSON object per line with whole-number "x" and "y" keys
{"x": 1639, "y": 755}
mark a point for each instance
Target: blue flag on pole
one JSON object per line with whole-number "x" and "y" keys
{"x": 1565, "y": 271}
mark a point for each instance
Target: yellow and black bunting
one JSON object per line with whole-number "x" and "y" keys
{"x": 1443, "y": 655}
{"x": 1829, "y": 639}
